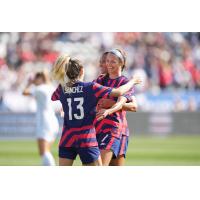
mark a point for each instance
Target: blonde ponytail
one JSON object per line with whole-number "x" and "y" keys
{"x": 60, "y": 68}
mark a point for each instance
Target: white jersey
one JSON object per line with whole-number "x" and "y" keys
{"x": 47, "y": 125}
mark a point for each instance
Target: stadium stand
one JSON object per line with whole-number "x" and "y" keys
{"x": 167, "y": 62}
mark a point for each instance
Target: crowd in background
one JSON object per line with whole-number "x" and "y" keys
{"x": 165, "y": 61}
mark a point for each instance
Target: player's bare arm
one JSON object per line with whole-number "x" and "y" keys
{"x": 108, "y": 103}
{"x": 116, "y": 92}
{"x": 26, "y": 91}
{"x": 131, "y": 106}
{"x": 117, "y": 106}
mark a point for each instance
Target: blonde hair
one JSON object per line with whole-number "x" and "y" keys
{"x": 59, "y": 69}
{"x": 66, "y": 70}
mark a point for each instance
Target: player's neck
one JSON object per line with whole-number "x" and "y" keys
{"x": 81, "y": 79}
{"x": 115, "y": 75}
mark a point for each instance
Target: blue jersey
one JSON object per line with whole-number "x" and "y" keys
{"x": 79, "y": 106}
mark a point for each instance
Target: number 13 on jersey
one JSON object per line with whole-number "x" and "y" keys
{"x": 79, "y": 107}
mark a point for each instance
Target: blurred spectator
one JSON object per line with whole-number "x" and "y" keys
{"x": 166, "y": 61}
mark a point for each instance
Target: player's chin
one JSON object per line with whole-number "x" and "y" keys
{"x": 110, "y": 70}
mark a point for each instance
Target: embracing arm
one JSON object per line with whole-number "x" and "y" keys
{"x": 108, "y": 103}
{"x": 117, "y": 106}
{"x": 116, "y": 92}
{"x": 131, "y": 106}
{"x": 27, "y": 91}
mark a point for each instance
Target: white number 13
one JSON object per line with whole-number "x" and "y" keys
{"x": 79, "y": 106}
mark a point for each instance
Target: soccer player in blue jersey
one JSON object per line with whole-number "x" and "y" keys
{"x": 79, "y": 100}
{"x": 112, "y": 132}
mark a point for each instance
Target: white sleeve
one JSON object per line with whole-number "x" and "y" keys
{"x": 33, "y": 91}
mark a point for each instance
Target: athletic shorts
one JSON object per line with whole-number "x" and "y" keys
{"x": 123, "y": 146}
{"x": 47, "y": 126}
{"x": 108, "y": 142}
{"x": 87, "y": 155}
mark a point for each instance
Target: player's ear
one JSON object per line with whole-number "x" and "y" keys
{"x": 82, "y": 72}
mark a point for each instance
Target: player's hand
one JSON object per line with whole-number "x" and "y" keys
{"x": 105, "y": 103}
{"x": 102, "y": 114}
{"x": 136, "y": 79}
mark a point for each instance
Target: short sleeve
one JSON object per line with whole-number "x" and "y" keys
{"x": 101, "y": 91}
{"x": 56, "y": 94}
{"x": 100, "y": 79}
{"x": 129, "y": 95}
{"x": 33, "y": 91}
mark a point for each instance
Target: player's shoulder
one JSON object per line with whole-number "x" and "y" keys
{"x": 94, "y": 85}
{"x": 49, "y": 87}
{"x": 43, "y": 87}
{"x": 101, "y": 78}
{"x": 124, "y": 78}
{"x": 39, "y": 88}
{"x": 59, "y": 87}
{"x": 89, "y": 87}
{"x": 86, "y": 85}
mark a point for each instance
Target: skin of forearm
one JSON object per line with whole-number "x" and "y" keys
{"x": 26, "y": 91}
{"x": 116, "y": 92}
{"x": 132, "y": 107}
{"x": 117, "y": 106}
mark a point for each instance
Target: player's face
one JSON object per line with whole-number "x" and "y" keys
{"x": 113, "y": 64}
{"x": 102, "y": 64}
{"x": 82, "y": 73}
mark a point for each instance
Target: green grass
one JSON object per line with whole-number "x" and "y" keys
{"x": 180, "y": 150}
{"x": 151, "y": 151}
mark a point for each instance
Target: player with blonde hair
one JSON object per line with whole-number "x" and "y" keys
{"x": 79, "y": 100}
